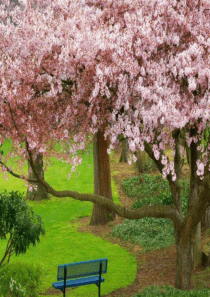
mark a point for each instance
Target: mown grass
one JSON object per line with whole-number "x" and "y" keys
{"x": 62, "y": 242}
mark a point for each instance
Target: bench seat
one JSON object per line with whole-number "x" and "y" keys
{"x": 78, "y": 282}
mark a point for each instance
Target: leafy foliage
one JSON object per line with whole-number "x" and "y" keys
{"x": 167, "y": 291}
{"x": 19, "y": 221}
{"x": 20, "y": 279}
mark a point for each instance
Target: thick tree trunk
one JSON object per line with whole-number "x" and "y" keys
{"x": 205, "y": 222}
{"x": 184, "y": 265}
{"x": 194, "y": 155}
{"x": 124, "y": 150}
{"x": 40, "y": 193}
{"x": 102, "y": 180}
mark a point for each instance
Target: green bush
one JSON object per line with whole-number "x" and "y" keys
{"x": 18, "y": 220}
{"x": 167, "y": 291}
{"x": 20, "y": 279}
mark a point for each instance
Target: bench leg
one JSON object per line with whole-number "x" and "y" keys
{"x": 99, "y": 291}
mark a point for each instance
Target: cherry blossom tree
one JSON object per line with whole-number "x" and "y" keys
{"x": 138, "y": 68}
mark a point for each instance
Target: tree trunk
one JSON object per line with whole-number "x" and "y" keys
{"x": 40, "y": 192}
{"x": 205, "y": 222}
{"x": 102, "y": 180}
{"x": 144, "y": 163}
{"x": 124, "y": 151}
{"x": 184, "y": 264}
{"x": 194, "y": 155}
{"x": 197, "y": 253}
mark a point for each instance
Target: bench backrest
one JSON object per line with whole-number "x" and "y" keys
{"x": 81, "y": 269}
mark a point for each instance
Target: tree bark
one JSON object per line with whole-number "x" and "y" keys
{"x": 184, "y": 264}
{"x": 205, "y": 222}
{"x": 40, "y": 193}
{"x": 197, "y": 253}
{"x": 124, "y": 151}
{"x": 193, "y": 196}
{"x": 102, "y": 180}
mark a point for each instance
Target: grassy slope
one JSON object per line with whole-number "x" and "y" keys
{"x": 62, "y": 243}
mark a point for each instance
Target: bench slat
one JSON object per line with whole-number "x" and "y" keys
{"x": 78, "y": 282}
{"x": 81, "y": 269}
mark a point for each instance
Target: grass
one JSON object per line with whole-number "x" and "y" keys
{"x": 62, "y": 242}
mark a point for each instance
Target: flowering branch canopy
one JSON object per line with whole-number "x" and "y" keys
{"x": 141, "y": 68}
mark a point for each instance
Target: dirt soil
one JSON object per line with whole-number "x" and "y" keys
{"x": 153, "y": 268}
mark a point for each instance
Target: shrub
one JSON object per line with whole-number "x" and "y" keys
{"x": 18, "y": 220}
{"x": 19, "y": 279}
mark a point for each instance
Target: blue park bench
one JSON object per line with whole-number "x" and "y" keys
{"x": 80, "y": 274}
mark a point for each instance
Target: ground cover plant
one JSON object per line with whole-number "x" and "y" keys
{"x": 150, "y": 233}
{"x": 62, "y": 242}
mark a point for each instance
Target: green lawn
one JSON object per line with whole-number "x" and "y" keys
{"x": 62, "y": 243}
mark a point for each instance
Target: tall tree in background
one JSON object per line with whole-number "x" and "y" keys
{"x": 141, "y": 67}
{"x": 124, "y": 150}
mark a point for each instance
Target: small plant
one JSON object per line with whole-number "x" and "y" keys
{"x": 18, "y": 220}
{"x": 19, "y": 279}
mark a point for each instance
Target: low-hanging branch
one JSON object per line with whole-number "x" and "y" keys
{"x": 18, "y": 175}
{"x": 158, "y": 211}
